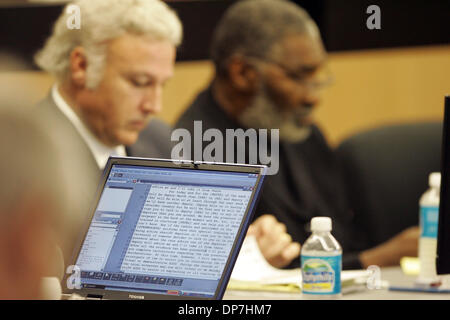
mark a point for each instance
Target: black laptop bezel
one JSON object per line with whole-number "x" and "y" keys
{"x": 165, "y": 163}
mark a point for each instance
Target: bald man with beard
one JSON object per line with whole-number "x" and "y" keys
{"x": 270, "y": 69}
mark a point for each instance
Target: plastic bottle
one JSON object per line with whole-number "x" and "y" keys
{"x": 429, "y": 215}
{"x": 321, "y": 261}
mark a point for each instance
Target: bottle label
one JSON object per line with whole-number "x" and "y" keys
{"x": 321, "y": 275}
{"x": 429, "y": 217}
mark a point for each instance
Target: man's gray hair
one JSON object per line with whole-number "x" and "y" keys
{"x": 103, "y": 20}
{"x": 252, "y": 28}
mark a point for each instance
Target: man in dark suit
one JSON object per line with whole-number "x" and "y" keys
{"x": 270, "y": 68}
{"x": 110, "y": 76}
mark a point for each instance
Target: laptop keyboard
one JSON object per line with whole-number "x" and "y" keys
{"x": 131, "y": 278}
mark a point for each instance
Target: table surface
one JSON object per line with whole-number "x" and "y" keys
{"x": 393, "y": 275}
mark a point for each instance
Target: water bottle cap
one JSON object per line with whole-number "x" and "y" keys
{"x": 321, "y": 224}
{"x": 435, "y": 179}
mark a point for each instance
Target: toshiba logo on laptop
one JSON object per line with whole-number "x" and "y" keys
{"x": 132, "y": 296}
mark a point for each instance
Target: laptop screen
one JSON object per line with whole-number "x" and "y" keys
{"x": 164, "y": 230}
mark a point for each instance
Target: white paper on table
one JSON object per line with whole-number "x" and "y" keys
{"x": 350, "y": 277}
{"x": 252, "y": 266}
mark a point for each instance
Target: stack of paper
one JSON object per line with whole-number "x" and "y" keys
{"x": 253, "y": 273}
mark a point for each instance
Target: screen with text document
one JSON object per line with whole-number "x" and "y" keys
{"x": 164, "y": 230}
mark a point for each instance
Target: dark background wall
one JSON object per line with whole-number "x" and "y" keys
{"x": 403, "y": 23}
{"x": 23, "y": 28}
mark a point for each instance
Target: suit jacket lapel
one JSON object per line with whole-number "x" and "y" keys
{"x": 58, "y": 124}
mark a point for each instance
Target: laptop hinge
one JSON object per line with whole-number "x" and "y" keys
{"x": 94, "y": 297}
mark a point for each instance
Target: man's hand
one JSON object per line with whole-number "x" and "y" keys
{"x": 273, "y": 241}
{"x": 390, "y": 252}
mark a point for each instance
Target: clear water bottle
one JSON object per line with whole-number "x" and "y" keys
{"x": 429, "y": 216}
{"x": 321, "y": 261}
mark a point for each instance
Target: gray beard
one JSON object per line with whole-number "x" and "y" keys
{"x": 264, "y": 114}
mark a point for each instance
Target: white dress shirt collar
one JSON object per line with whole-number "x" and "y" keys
{"x": 100, "y": 151}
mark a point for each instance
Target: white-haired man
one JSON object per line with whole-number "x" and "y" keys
{"x": 110, "y": 75}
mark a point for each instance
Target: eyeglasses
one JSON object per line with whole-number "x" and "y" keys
{"x": 324, "y": 75}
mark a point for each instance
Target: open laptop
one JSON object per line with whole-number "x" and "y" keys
{"x": 164, "y": 230}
